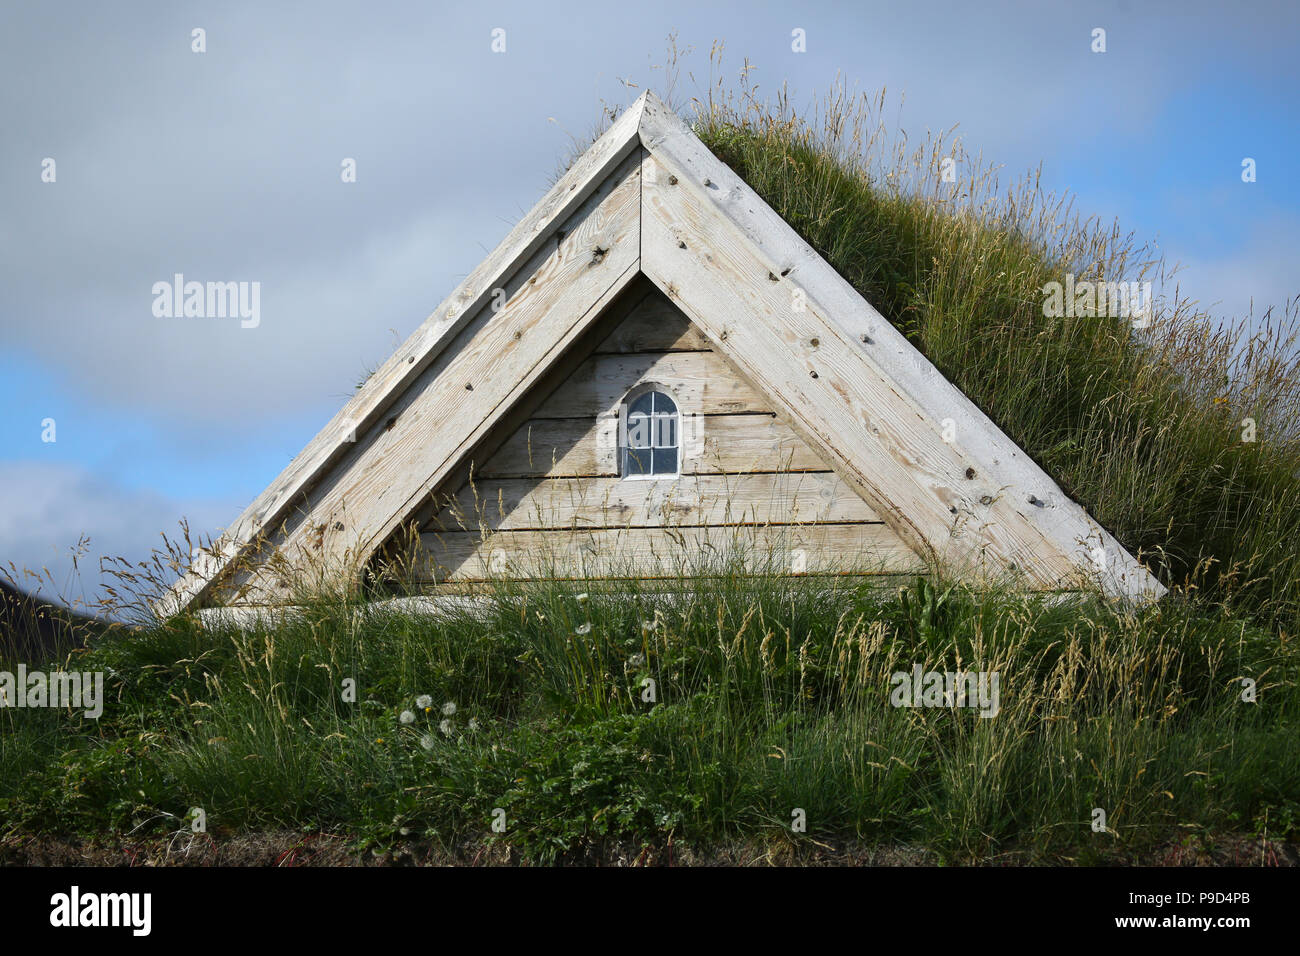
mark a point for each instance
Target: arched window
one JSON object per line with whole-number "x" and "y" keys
{"x": 649, "y": 442}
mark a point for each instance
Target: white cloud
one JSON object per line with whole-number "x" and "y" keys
{"x": 1249, "y": 280}
{"x": 47, "y": 509}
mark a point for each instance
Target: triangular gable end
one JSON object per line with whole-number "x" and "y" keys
{"x": 549, "y": 497}
{"x": 649, "y": 198}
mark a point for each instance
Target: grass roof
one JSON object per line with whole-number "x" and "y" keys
{"x": 1179, "y": 437}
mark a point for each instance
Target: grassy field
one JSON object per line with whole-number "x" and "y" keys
{"x": 770, "y": 696}
{"x": 770, "y": 700}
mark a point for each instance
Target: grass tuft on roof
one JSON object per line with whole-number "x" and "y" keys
{"x": 1176, "y": 430}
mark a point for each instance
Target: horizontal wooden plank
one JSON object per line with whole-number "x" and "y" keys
{"x": 664, "y": 552}
{"x": 702, "y": 382}
{"x": 552, "y": 503}
{"x": 573, "y": 447}
{"x": 463, "y": 598}
{"x": 656, "y": 325}
{"x": 677, "y": 589}
{"x": 558, "y": 447}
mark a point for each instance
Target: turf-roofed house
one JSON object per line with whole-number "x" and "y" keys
{"x": 653, "y": 364}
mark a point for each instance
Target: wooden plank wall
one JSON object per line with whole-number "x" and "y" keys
{"x": 496, "y": 359}
{"x": 549, "y": 501}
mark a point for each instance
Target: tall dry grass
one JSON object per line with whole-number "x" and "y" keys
{"x": 1149, "y": 428}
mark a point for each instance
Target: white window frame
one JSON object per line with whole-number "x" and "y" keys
{"x": 623, "y": 446}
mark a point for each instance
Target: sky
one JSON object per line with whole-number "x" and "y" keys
{"x": 226, "y": 165}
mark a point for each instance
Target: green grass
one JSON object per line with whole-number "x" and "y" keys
{"x": 770, "y": 695}
{"x": 1142, "y": 427}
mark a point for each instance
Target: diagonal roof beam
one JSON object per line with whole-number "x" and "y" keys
{"x": 854, "y": 387}
{"x": 273, "y": 506}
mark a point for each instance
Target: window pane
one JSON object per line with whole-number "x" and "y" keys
{"x": 665, "y": 431}
{"x": 642, "y": 403}
{"x": 637, "y": 461}
{"x": 665, "y": 461}
{"x": 664, "y": 404}
{"x": 639, "y": 431}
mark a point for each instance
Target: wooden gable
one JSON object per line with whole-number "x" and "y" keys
{"x": 839, "y": 387}
{"x": 549, "y": 500}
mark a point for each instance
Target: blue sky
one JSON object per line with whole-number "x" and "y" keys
{"x": 225, "y": 166}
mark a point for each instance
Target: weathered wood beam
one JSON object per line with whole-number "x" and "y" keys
{"x": 404, "y": 367}
{"x": 580, "y": 447}
{"x": 854, "y": 387}
{"x": 445, "y": 412}
{"x": 520, "y": 504}
{"x": 465, "y": 556}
